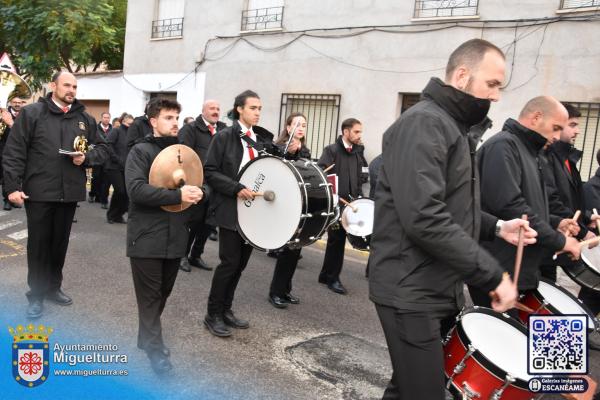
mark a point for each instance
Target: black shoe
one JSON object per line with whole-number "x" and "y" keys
{"x": 159, "y": 362}
{"x": 7, "y": 206}
{"x": 104, "y": 206}
{"x": 91, "y": 198}
{"x": 290, "y": 298}
{"x": 184, "y": 266}
{"x": 60, "y": 298}
{"x": 199, "y": 263}
{"x": 216, "y": 325}
{"x": 337, "y": 287}
{"x": 116, "y": 221}
{"x": 213, "y": 236}
{"x": 235, "y": 322}
{"x": 35, "y": 309}
{"x": 323, "y": 280}
{"x": 278, "y": 302}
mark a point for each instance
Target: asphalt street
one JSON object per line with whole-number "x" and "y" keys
{"x": 328, "y": 347}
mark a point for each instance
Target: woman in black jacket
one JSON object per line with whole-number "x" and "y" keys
{"x": 287, "y": 260}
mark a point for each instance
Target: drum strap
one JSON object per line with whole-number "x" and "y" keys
{"x": 251, "y": 143}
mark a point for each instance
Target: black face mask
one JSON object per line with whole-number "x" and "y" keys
{"x": 165, "y": 141}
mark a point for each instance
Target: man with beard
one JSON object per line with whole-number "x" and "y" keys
{"x": 428, "y": 221}
{"x": 8, "y": 117}
{"x": 198, "y": 135}
{"x": 50, "y": 184}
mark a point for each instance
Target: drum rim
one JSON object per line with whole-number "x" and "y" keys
{"x": 538, "y": 296}
{"x": 575, "y": 277}
{"x": 330, "y": 205}
{"x": 478, "y": 356}
{"x": 303, "y": 194}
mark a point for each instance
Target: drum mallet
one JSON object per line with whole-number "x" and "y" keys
{"x": 268, "y": 195}
{"x": 347, "y": 204}
{"x": 329, "y": 168}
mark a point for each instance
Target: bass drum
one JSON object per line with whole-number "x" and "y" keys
{"x": 299, "y": 213}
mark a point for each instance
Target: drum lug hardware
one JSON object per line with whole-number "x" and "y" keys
{"x": 326, "y": 214}
{"x": 292, "y": 242}
{"x": 458, "y": 368}
{"x": 307, "y": 215}
{"x": 307, "y": 184}
{"x": 447, "y": 339}
{"x": 307, "y": 163}
{"x": 312, "y": 238}
{"x": 497, "y": 393}
{"x": 325, "y": 184}
{"x": 469, "y": 393}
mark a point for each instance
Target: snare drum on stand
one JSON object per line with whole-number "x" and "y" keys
{"x": 485, "y": 357}
{"x": 298, "y": 211}
{"x": 357, "y": 220}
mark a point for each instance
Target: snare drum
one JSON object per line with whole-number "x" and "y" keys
{"x": 485, "y": 357}
{"x": 359, "y": 224}
{"x": 300, "y": 212}
{"x": 551, "y": 298}
{"x": 587, "y": 273}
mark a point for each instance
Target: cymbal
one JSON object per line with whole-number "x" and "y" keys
{"x": 173, "y": 167}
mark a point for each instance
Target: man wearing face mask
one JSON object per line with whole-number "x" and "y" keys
{"x": 512, "y": 184}
{"x": 428, "y": 221}
{"x": 156, "y": 239}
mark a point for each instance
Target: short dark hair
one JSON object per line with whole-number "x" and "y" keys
{"x": 105, "y": 113}
{"x": 348, "y": 123}
{"x": 157, "y": 104}
{"x": 55, "y": 76}
{"x": 240, "y": 101}
{"x": 572, "y": 110}
{"x": 470, "y": 53}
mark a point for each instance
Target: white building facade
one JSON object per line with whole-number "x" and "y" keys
{"x": 367, "y": 59}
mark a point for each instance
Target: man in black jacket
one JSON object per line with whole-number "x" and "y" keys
{"x": 512, "y": 185}
{"x": 428, "y": 221}
{"x": 8, "y": 118}
{"x": 140, "y": 128}
{"x": 227, "y": 154}
{"x": 592, "y": 188}
{"x": 156, "y": 238}
{"x": 100, "y": 185}
{"x": 198, "y": 134}
{"x": 351, "y": 168}
{"x": 114, "y": 169}
{"x": 50, "y": 183}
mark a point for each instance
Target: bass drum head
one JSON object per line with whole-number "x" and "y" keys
{"x": 563, "y": 301}
{"x": 265, "y": 224}
{"x": 501, "y": 342}
{"x": 359, "y": 223}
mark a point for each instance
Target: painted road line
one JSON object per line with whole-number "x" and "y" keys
{"x": 9, "y": 224}
{"x": 18, "y": 235}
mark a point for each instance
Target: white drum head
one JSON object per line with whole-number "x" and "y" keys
{"x": 562, "y": 302}
{"x": 501, "y": 343}
{"x": 270, "y": 224}
{"x": 359, "y": 223}
{"x": 591, "y": 257}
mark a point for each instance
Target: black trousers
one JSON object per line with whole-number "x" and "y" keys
{"x": 153, "y": 280}
{"x": 334, "y": 254}
{"x": 48, "y": 231}
{"x": 199, "y": 230}
{"x": 234, "y": 255}
{"x": 119, "y": 202}
{"x": 100, "y": 185}
{"x": 287, "y": 261}
{"x": 414, "y": 342}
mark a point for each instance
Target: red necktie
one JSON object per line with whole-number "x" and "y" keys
{"x": 250, "y": 151}
{"x": 211, "y": 129}
{"x": 568, "y": 166}
{"x": 65, "y": 109}
{"x": 349, "y": 149}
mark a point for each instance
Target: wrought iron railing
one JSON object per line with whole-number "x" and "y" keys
{"x": 262, "y": 18}
{"x": 574, "y": 4}
{"x": 445, "y": 8}
{"x": 166, "y": 28}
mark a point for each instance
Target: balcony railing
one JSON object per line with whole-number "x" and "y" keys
{"x": 166, "y": 28}
{"x": 262, "y": 18}
{"x": 574, "y": 4}
{"x": 445, "y": 8}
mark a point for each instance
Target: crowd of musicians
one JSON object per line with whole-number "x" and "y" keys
{"x": 446, "y": 213}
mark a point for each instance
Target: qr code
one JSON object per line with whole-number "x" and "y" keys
{"x": 557, "y": 344}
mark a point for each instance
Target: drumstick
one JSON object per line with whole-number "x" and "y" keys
{"x": 519, "y": 257}
{"x": 328, "y": 168}
{"x": 347, "y": 204}
{"x": 268, "y": 195}
{"x": 567, "y": 234}
{"x": 584, "y": 243}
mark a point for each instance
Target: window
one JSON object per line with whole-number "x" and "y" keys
{"x": 169, "y": 20}
{"x": 588, "y": 140}
{"x": 407, "y": 100}
{"x": 164, "y": 95}
{"x": 445, "y": 8}
{"x": 574, "y": 4}
{"x": 323, "y": 114}
{"x": 262, "y": 15}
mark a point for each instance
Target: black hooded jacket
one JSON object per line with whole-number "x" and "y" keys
{"x": 348, "y": 167}
{"x": 31, "y": 160}
{"x": 197, "y": 136}
{"x": 151, "y": 231}
{"x": 512, "y": 184}
{"x": 427, "y": 214}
